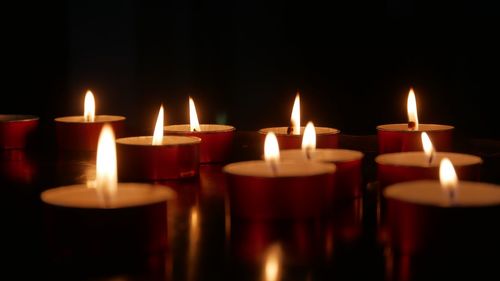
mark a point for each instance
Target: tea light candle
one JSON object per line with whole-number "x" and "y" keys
{"x": 348, "y": 180}
{"x": 406, "y": 137}
{"x": 216, "y": 139}
{"x": 407, "y": 166}
{"x": 106, "y": 217}
{"x": 82, "y": 132}
{"x": 16, "y": 129}
{"x": 273, "y": 189}
{"x": 443, "y": 216}
{"x": 158, "y": 157}
{"x": 291, "y": 137}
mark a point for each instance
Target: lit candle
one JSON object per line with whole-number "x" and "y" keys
{"x": 406, "y": 137}
{"x": 273, "y": 189}
{"x": 443, "y": 216}
{"x": 216, "y": 139}
{"x": 291, "y": 137}
{"x": 417, "y": 165}
{"x": 158, "y": 157}
{"x": 348, "y": 180}
{"x": 107, "y": 218}
{"x": 82, "y": 132}
{"x": 15, "y": 130}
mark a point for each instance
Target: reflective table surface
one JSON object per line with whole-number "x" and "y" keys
{"x": 205, "y": 244}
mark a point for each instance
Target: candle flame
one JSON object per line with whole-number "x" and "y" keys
{"x": 106, "y": 174}
{"x": 158, "y": 132}
{"x": 447, "y": 175}
{"x": 271, "y": 148}
{"x": 309, "y": 139}
{"x": 429, "y": 149}
{"x": 193, "y": 117}
{"x": 272, "y": 263}
{"x": 89, "y": 107}
{"x": 412, "y": 109}
{"x": 295, "y": 118}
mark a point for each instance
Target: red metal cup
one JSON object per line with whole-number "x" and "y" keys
{"x": 325, "y": 137}
{"x": 16, "y": 129}
{"x": 216, "y": 140}
{"x": 73, "y": 133}
{"x": 397, "y": 137}
{"x": 158, "y": 162}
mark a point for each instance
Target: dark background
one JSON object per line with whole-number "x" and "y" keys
{"x": 353, "y": 61}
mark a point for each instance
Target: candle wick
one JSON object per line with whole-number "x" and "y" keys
{"x": 274, "y": 168}
{"x": 431, "y": 157}
{"x": 411, "y": 125}
{"x": 194, "y": 130}
{"x": 308, "y": 153}
{"x": 289, "y": 130}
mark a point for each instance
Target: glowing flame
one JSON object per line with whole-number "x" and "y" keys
{"x": 295, "y": 118}
{"x": 412, "y": 109}
{"x": 309, "y": 139}
{"x": 89, "y": 107}
{"x": 158, "y": 133}
{"x": 447, "y": 175}
{"x": 271, "y": 148}
{"x": 193, "y": 117}
{"x": 272, "y": 264}
{"x": 106, "y": 175}
{"x": 428, "y": 147}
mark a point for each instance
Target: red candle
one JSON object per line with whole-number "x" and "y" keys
{"x": 270, "y": 189}
{"x": 16, "y": 129}
{"x": 447, "y": 217}
{"x": 407, "y": 166}
{"x": 158, "y": 157}
{"x": 406, "y": 137}
{"x": 82, "y": 132}
{"x": 216, "y": 139}
{"x": 107, "y": 218}
{"x": 291, "y": 137}
{"x": 348, "y": 179}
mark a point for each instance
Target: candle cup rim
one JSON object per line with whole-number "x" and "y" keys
{"x": 434, "y": 164}
{"x": 117, "y": 118}
{"x": 330, "y": 168}
{"x": 169, "y": 194}
{"x": 442, "y": 127}
{"x": 330, "y": 131}
{"x": 18, "y": 118}
{"x": 359, "y": 155}
{"x": 196, "y": 140}
{"x": 228, "y": 128}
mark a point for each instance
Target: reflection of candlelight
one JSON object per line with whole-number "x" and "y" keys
{"x": 272, "y": 264}
{"x": 194, "y": 238}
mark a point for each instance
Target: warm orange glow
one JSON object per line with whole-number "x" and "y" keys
{"x": 158, "y": 133}
{"x": 89, "y": 107}
{"x": 193, "y": 117}
{"x": 412, "y": 109}
{"x": 106, "y": 175}
{"x": 295, "y": 118}
{"x": 447, "y": 175}
{"x": 272, "y": 264}
{"x": 427, "y": 145}
{"x": 309, "y": 138}
{"x": 271, "y": 148}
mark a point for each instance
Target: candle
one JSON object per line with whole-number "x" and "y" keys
{"x": 406, "y": 137}
{"x": 216, "y": 139}
{"x": 158, "y": 157}
{"x": 348, "y": 180}
{"x": 82, "y": 132}
{"x": 106, "y": 217}
{"x": 416, "y": 165}
{"x": 274, "y": 189}
{"x": 291, "y": 137}
{"x": 15, "y": 130}
{"x": 443, "y": 216}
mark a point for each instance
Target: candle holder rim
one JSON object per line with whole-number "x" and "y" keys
{"x": 331, "y": 131}
{"x": 18, "y": 118}
{"x": 442, "y": 127}
{"x": 196, "y": 140}
{"x": 434, "y": 164}
{"x": 332, "y": 169}
{"x": 359, "y": 155}
{"x": 117, "y": 118}
{"x": 228, "y": 128}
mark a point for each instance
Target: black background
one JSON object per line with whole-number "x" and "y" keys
{"x": 353, "y": 61}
